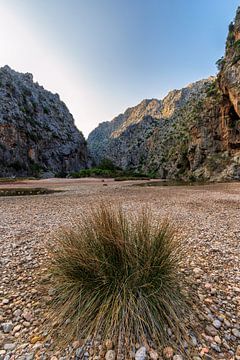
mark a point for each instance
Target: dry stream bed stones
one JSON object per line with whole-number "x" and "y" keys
{"x": 209, "y": 217}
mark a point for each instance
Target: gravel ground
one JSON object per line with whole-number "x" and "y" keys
{"x": 210, "y": 218}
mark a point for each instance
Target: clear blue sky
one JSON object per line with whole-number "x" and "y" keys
{"x": 102, "y": 56}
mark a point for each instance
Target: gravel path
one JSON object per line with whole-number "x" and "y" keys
{"x": 209, "y": 216}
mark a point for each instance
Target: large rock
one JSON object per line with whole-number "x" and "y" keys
{"x": 37, "y": 132}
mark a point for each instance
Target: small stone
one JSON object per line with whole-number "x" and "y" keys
{"x": 110, "y": 355}
{"x": 7, "y": 327}
{"x": 79, "y": 353}
{"x": 238, "y": 351}
{"x": 177, "y": 357}
{"x": 217, "y": 339}
{"x": 227, "y": 323}
{"x": 208, "y": 286}
{"x": 236, "y": 289}
{"x": 193, "y": 340}
{"x": 215, "y": 347}
{"x": 153, "y": 355}
{"x": 204, "y": 351}
{"x": 26, "y": 324}
{"x": 29, "y": 356}
{"x": 198, "y": 272}
{"x": 5, "y": 301}
{"x": 217, "y": 324}
{"x": 76, "y": 344}
{"x": 141, "y": 353}
{"x": 9, "y": 346}
{"x": 37, "y": 346}
{"x": 210, "y": 330}
{"x": 236, "y": 333}
{"x": 168, "y": 352}
{"x": 51, "y": 292}
{"x": 213, "y": 291}
{"x": 16, "y": 328}
{"x": 27, "y": 316}
{"x": 17, "y": 312}
{"x": 35, "y": 339}
{"x": 109, "y": 344}
{"x": 7, "y": 357}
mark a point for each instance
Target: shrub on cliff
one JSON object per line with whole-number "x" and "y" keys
{"x": 117, "y": 276}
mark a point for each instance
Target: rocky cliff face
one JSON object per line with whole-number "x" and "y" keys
{"x": 37, "y": 132}
{"x": 192, "y": 132}
{"x": 215, "y": 138}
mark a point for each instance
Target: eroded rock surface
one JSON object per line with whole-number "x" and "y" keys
{"x": 37, "y": 132}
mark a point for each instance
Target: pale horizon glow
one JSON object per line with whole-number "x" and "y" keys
{"x": 103, "y": 59}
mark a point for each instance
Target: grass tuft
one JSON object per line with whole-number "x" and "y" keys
{"x": 117, "y": 276}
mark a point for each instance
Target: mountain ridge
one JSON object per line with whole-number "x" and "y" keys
{"x": 193, "y": 132}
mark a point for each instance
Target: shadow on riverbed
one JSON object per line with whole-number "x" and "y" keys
{"x": 26, "y": 191}
{"x": 173, "y": 183}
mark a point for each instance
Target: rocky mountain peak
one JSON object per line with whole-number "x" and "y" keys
{"x": 146, "y": 113}
{"x": 37, "y": 131}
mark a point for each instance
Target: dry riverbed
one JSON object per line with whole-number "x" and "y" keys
{"x": 209, "y": 216}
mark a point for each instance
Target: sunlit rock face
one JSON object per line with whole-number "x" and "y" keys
{"x": 192, "y": 133}
{"x": 37, "y": 132}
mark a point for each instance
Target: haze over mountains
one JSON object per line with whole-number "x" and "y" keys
{"x": 192, "y": 133}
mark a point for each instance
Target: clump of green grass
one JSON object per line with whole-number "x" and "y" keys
{"x": 116, "y": 275}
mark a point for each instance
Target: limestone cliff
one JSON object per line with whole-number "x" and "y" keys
{"x": 192, "y": 132}
{"x": 37, "y": 132}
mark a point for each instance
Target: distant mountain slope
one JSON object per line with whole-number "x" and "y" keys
{"x": 139, "y": 138}
{"x": 37, "y": 132}
{"x": 192, "y": 132}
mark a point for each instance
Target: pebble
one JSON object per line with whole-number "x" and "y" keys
{"x": 153, "y": 354}
{"x": 110, "y": 355}
{"x": 168, "y": 352}
{"x": 5, "y": 301}
{"x": 236, "y": 333}
{"x": 227, "y": 323}
{"x": 76, "y": 344}
{"x": 193, "y": 340}
{"x": 35, "y": 339}
{"x": 197, "y": 271}
{"x": 141, "y": 353}
{"x": 238, "y": 351}
{"x": 9, "y": 346}
{"x": 17, "y": 312}
{"x": 215, "y": 347}
{"x": 109, "y": 344}
{"x": 16, "y": 328}
{"x": 7, "y": 327}
{"x": 29, "y": 356}
{"x": 217, "y": 339}
{"x": 27, "y": 316}
{"x": 79, "y": 352}
{"x": 177, "y": 357}
{"x": 210, "y": 330}
{"x": 217, "y": 324}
